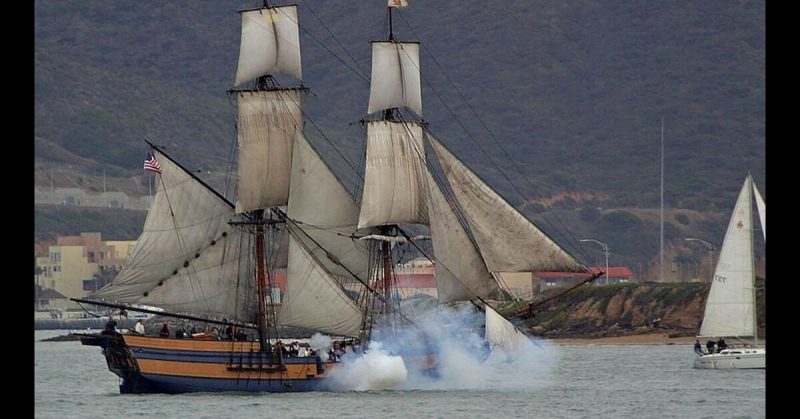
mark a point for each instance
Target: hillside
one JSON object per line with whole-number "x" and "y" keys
{"x": 627, "y": 309}
{"x": 573, "y": 91}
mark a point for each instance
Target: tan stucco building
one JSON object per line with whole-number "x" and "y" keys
{"x": 71, "y": 263}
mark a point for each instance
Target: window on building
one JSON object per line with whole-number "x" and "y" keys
{"x": 56, "y": 269}
{"x": 102, "y": 255}
{"x": 55, "y": 257}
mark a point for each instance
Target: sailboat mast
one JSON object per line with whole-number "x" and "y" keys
{"x": 387, "y": 277}
{"x": 261, "y": 279}
{"x": 391, "y": 32}
{"x": 753, "y": 271}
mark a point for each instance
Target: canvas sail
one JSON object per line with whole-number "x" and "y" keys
{"x": 730, "y": 304}
{"x": 313, "y": 299}
{"x": 762, "y": 210}
{"x": 395, "y": 78}
{"x": 501, "y": 333}
{"x": 325, "y": 213}
{"x": 507, "y": 240}
{"x": 268, "y": 124}
{"x": 187, "y": 257}
{"x": 460, "y": 272}
{"x": 395, "y": 175}
{"x": 270, "y": 44}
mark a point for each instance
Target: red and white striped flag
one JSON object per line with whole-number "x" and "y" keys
{"x": 151, "y": 164}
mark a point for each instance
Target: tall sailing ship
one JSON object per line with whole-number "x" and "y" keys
{"x": 203, "y": 257}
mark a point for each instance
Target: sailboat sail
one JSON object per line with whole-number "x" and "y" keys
{"x": 730, "y": 304}
{"x": 395, "y": 77}
{"x": 394, "y": 180}
{"x": 762, "y": 210}
{"x": 268, "y": 124}
{"x": 313, "y": 299}
{"x": 507, "y": 240}
{"x": 461, "y": 273}
{"x": 322, "y": 219}
{"x": 270, "y": 44}
{"x": 187, "y": 257}
{"x": 501, "y": 333}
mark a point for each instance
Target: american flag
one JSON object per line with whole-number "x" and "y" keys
{"x": 151, "y": 164}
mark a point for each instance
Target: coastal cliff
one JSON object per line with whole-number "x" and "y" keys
{"x": 675, "y": 309}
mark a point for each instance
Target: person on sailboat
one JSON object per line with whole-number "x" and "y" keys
{"x": 139, "y": 327}
{"x": 710, "y": 346}
{"x": 721, "y": 345}
{"x": 698, "y": 349}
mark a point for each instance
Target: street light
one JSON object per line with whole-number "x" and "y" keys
{"x": 605, "y": 250}
{"x": 710, "y": 247}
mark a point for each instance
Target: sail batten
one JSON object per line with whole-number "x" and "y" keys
{"x": 268, "y": 124}
{"x": 394, "y": 179}
{"x": 507, "y": 240}
{"x": 395, "y": 78}
{"x": 270, "y": 44}
{"x": 731, "y": 299}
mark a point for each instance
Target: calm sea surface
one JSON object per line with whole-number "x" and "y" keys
{"x": 571, "y": 381}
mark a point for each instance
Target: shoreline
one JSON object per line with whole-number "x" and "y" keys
{"x": 644, "y": 339}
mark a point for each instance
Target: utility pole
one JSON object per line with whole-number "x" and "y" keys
{"x": 661, "y": 252}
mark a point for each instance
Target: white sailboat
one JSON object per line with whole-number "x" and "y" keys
{"x": 731, "y": 306}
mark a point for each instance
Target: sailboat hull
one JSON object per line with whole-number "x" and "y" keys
{"x": 733, "y": 359}
{"x": 162, "y": 365}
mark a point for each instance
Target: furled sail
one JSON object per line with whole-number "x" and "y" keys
{"x": 268, "y": 124}
{"x": 501, "y": 333}
{"x": 313, "y": 299}
{"x": 762, "y": 210}
{"x": 187, "y": 257}
{"x": 461, "y": 274}
{"x": 270, "y": 44}
{"x": 395, "y": 77}
{"x": 729, "y": 308}
{"x": 507, "y": 240}
{"x": 394, "y": 179}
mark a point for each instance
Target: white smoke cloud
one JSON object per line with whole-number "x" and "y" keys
{"x": 460, "y": 358}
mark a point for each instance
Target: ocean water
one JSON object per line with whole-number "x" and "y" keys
{"x": 555, "y": 381}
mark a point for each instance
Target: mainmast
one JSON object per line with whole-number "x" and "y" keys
{"x": 753, "y": 271}
{"x": 396, "y": 174}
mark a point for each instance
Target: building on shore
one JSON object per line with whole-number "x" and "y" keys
{"x": 78, "y": 265}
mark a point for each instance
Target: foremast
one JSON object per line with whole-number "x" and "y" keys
{"x": 269, "y": 119}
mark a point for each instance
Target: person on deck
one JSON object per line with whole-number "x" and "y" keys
{"x": 710, "y": 346}
{"x": 698, "y": 349}
{"x": 164, "y": 332}
{"x": 721, "y": 345}
{"x": 111, "y": 325}
{"x": 139, "y": 328}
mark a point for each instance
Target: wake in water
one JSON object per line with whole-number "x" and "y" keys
{"x": 446, "y": 351}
